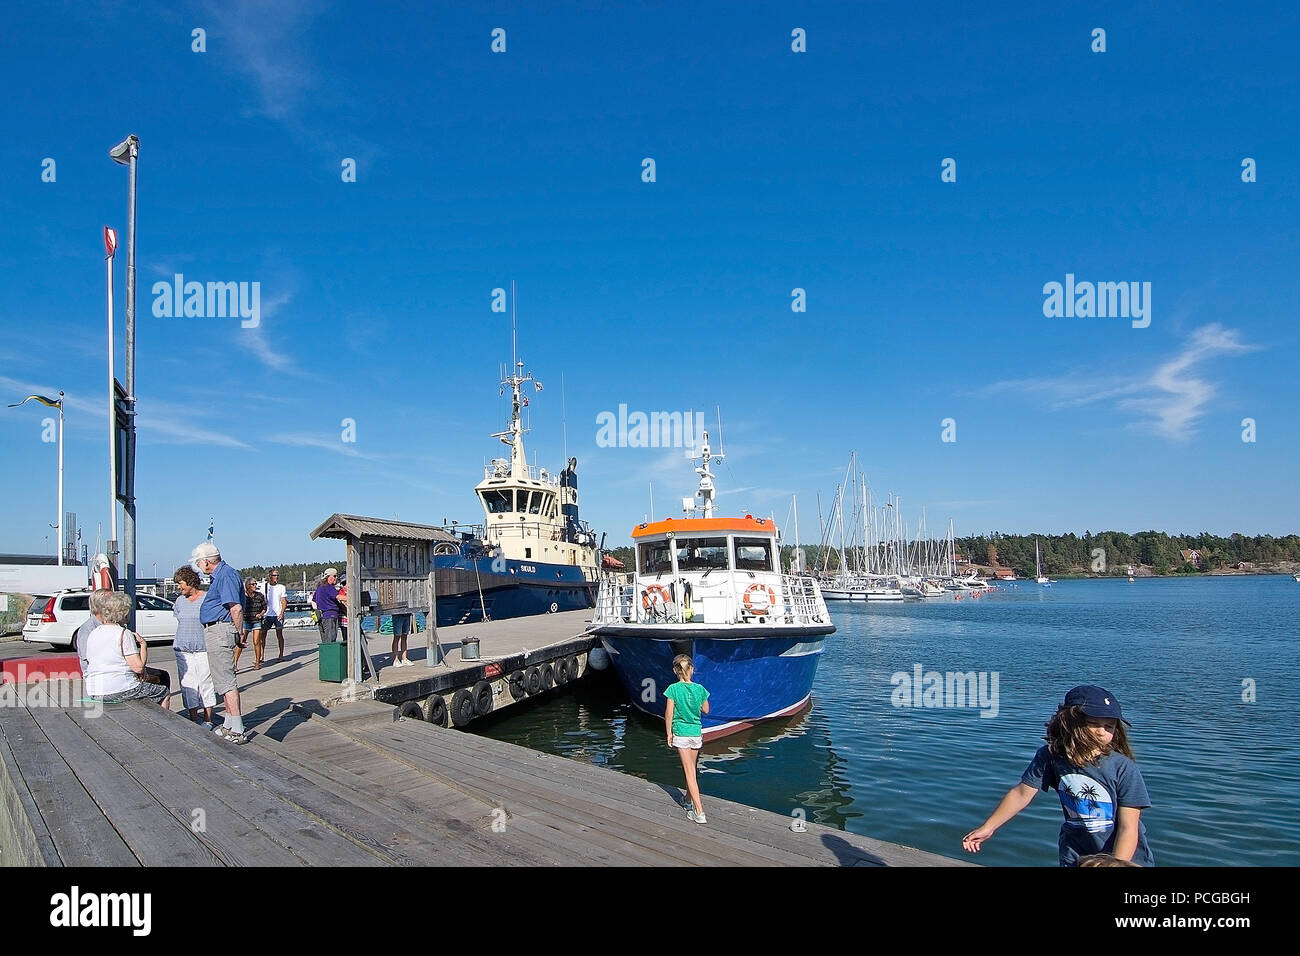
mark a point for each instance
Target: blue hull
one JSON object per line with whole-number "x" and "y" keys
{"x": 748, "y": 680}
{"x": 469, "y": 586}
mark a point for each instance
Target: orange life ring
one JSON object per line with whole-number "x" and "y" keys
{"x": 655, "y": 594}
{"x": 765, "y": 591}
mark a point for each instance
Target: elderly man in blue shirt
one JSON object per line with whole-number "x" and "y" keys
{"x": 221, "y": 615}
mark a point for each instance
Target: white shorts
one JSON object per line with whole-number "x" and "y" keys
{"x": 688, "y": 743}
{"x": 196, "y": 679}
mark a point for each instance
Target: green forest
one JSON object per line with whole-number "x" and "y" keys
{"x": 1104, "y": 553}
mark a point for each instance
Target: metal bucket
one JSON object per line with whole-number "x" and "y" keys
{"x": 469, "y": 649}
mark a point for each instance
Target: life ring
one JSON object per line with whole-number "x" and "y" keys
{"x": 655, "y": 595}
{"x": 755, "y": 605}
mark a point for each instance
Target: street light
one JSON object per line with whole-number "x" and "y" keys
{"x": 53, "y": 403}
{"x": 125, "y": 153}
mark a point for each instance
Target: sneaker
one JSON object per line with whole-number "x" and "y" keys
{"x": 696, "y": 817}
{"x": 206, "y": 725}
{"x": 685, "y": 802}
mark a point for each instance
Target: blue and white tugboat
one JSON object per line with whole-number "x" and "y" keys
{"x": 712, "y": 588}
{"x": 532, "y": 555}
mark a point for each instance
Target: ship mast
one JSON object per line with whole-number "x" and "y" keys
{"x": 514, "y": 435}
{"x": 706, "y": 492}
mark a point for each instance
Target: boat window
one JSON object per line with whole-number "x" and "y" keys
{"x": 655, "y": 557}
{"x": 701, "y": 554}
{"x": 535, "y": 503}
{"x": 498, "y": 500}
{"x": 753, "y": 554}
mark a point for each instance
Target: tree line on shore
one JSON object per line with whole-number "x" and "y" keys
{"x": 1104, "y": 553}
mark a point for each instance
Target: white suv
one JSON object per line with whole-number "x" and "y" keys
{"x": 54, "y": 619}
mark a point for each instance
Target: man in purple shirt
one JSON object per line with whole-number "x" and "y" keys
{"x": 326, "y": 600}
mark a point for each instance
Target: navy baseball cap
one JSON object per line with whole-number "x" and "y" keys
{"x": 1095, "y": 702}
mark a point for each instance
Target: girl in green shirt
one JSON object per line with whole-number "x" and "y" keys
{"x": 684, "y": 702}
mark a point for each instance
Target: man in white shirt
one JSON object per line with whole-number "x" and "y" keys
{"x": 276, "y": 603}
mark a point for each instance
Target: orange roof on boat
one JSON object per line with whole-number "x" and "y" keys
{"x": 692, "y": 525}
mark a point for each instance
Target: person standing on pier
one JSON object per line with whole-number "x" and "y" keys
{"x": 684, "y": 701}
{"x": 254, "y": 611}
{"x": 191, "y": 649}
{"x": 326, "y": 600}
{"x": 277, "y": 604}
{"x": 222, "y": 616}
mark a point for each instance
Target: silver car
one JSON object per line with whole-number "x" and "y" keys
{"x": 54, "y": 618}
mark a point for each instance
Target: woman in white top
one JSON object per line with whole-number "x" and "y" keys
{"x": 113, "y": 658}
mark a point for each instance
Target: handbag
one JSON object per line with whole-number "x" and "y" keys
{"x": 150, "y": 675}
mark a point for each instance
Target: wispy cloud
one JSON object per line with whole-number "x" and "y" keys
{"x": 265, "y": 42}
{"x": 328, "y": 444}
{"x": 256, "y": 340}
{"x": 1180, "y": 397}
{"x": 1168, "y": 401}
{"x": 161, "y": 423}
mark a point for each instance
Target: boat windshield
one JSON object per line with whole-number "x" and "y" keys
{"x": 656, "y": 558}
{"x": 498, "y": 500}
{"x": 701, "y": 554}
{"x": 753, "y": 554}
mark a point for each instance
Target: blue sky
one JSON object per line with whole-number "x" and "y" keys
{"x": 775, "y": 170}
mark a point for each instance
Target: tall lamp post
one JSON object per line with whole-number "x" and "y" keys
{"x": 125, "y": 153}
{"x": 53, "y": 403}
{"x": 110, "y": 250}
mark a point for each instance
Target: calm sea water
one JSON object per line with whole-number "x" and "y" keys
{"x": 1222, "y": 772}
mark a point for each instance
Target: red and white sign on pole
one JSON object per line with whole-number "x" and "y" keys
{"x": 110, "y": 242}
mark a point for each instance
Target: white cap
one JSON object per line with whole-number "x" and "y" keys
{"x": 205, "y": 551}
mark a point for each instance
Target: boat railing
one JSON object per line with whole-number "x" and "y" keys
{"x": 621, "y": 600}
{"x": 500, "y": 468}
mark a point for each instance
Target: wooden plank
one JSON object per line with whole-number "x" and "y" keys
{"x": 147, "y": 828}
{"x": 652, "y": 839}
{"x": 370, "y": 837}
{"x": 229, "y": 807}
{"x": 25, "y": 839}
{"x": 745, "y": 827}
{"x": 428, "y": 799}
{"x": 81, "y": 835}
{"x": 525, "y": 840}
{"x": 754, "y": 825}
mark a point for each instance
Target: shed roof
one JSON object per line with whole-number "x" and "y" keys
{"x": 355, "y": 526}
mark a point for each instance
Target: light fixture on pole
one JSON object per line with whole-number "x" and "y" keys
{"x": 53, "y": 403}
{"x": 126, "y": 154}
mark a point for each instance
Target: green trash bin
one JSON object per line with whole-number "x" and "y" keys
{"x": 333, "y": 661}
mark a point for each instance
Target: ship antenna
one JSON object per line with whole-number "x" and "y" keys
{"x": 564, "y": 419}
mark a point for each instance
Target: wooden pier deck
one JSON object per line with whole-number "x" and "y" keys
{"x": 135, "y": 785}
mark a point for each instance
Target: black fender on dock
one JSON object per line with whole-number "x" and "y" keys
{"x": 462, "y": 707}
{"x": 562, "y": 671}
{"x": 533, "y": 680}
{"x": 548, "y": 676}
{"x": 411, "y": 711}
{"x": 482, "y": 698}
{"x": 518, "y": 685}
{"x": 575, "y": 669}
{"x": 435, "y": 710}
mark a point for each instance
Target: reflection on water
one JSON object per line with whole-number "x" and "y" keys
{"x": 592, "y": 721}
{"x": 1175, "y": 652}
